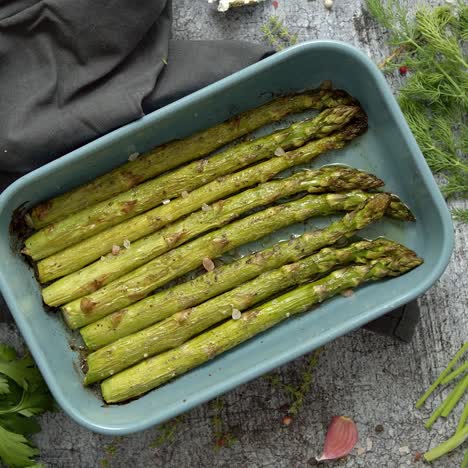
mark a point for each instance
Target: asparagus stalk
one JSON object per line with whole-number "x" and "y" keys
{"x": 463, "y": 419}
{"x": 100, "y": 273}
{"x": 448, "y": 404}
{"x": 73, "y": 258}
{"x": 97, "y": 218}
{"x": 456, "y": 373}
{"x": 177, "y": 152}
{"x": 447, "y": 446}
{"x": 181, "y": 326}
{"x": 139, "y": 283}
{"x": 455, "y": 396}
{"x": 157, "y": 370}
{"x": 444, "y": 374}
{"x": 183, "y": 296}
{"x": 465, "y": 459}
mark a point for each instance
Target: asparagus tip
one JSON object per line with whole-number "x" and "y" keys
{"x": 357, "y": 127}
{"x": 400, "y": 210}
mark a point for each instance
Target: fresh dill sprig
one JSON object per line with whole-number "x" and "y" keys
{"x": 460, "y": 214}
{"x": 277, "y": 34}
{"x": 223, "y": 438}
{"x": 434, "y": 97}
{"x": 166, "y": 432}
{"x": 297, "y": 393}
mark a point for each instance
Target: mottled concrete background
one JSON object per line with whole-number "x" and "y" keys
{"x": 374, "y": 379}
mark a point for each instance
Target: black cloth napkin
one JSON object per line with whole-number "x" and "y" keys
{"x": 73, "y": 70}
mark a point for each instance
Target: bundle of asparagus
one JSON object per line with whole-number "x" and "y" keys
{"x": 181, "y": 326}
{"x": 165, "y": 303}
{"x": 175, "y": 153}
{"x": 98, "y": 217}
{"x": 140, "y": 282}
{"x": 84, "y": 252}
{"x": 111, "y": 243}
{"x": 222, "y": 212}
{"x": 163, "y": 367}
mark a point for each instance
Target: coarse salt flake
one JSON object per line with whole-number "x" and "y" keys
{"x": 236, "y": 314}
{"x": 103, "y": 258}
{"x": 279, "y": 151}
{"x": 133, "y": 156}
{"x": 115, "y": 250}
{"x": 166, "y": 201}
{"x": 126, "y": 243}
{"x": 206, "y": 207}
{"x": 184, "y": 194}
{"x": 145, "y": 355}
{"x": 360, "y": 450}
{"x": 208, "y": 264}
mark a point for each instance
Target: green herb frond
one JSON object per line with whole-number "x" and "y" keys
{"x": 166, "y": 432}
{"x": 23, "y": 396}
{"x": 460, "y": 214}
{"x": 223, "y": 438}
{"x": 277, "y": 34}
{"x": 297, "y": 393}
{"x": 434, "y": 96}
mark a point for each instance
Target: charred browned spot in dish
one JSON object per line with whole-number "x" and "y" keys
{"x": 221, "y": 241}
{"x": 136, "y": 296}
{"x": 42, "y": 210}
{"x": 87, "y": 305}
{"x": 96, "y": 283}
{"x": 201, "y": 165}
{"x": 182, "y": 317}
{"x": 128, "y": 206}
{"x": 50, "y": 228}
{"x": 251, "y": 315}
{"x": 174, "y": 238}
{"x": 116, "y": 318}
{"x": 132, "y": 179}
{"x": 211, "y": 350}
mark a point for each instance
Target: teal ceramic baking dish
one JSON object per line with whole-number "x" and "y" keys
{"x": 388, "y": 150}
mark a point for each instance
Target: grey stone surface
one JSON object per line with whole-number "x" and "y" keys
{"x": 375, "y": 380}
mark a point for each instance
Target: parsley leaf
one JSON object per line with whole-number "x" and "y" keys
{"x": 23, "y": 395}
{"x": 16, "y": 369}
{"x": 4, "y": 388}
{"x": 15, "y": 450}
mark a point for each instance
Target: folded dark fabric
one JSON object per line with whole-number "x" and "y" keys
{"x": 73, "y": 70}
